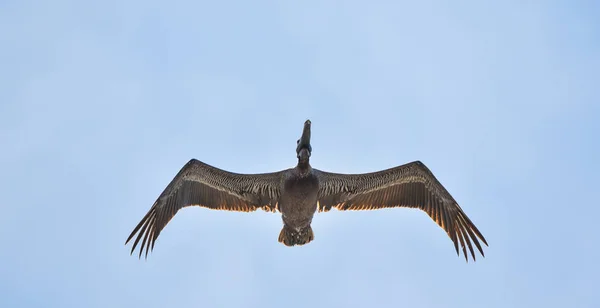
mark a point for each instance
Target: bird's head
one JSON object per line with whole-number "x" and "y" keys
{"x": 303, "y": 148}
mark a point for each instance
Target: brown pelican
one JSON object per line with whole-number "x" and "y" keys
{"x": 298, "y": 193}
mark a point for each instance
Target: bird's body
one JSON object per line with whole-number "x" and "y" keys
{"x": 300, "y": 192}
{"x": 298, "y": 204}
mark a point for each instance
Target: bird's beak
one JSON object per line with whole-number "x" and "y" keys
{"x": 304, "y": 141}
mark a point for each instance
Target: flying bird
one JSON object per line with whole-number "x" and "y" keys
{"x": 300, "y": 192}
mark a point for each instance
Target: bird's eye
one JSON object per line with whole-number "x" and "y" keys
{"x": 298, "y": 141}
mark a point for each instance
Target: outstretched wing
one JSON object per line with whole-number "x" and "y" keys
{"x": 411, "y": 185}
{"x": 203, "y": 185}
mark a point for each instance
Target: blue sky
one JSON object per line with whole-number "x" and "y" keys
{"x": 102, "y": 102}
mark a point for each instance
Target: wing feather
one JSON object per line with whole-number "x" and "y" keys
{"x": 199, "y": 184}
{"x": 411, "y": 185}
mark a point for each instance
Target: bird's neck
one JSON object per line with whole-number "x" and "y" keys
{"x": 303, "y": 167}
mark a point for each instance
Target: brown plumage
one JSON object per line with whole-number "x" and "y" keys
{"x": 412, "y": 186}
{"x": 298, "y": 193}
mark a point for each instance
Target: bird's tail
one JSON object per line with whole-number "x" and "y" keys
{"x": 291, "y": 237}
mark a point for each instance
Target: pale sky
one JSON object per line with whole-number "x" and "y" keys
{"x": 101, "y": 104}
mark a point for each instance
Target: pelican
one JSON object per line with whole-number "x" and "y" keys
{"x": 300, "y": 192}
